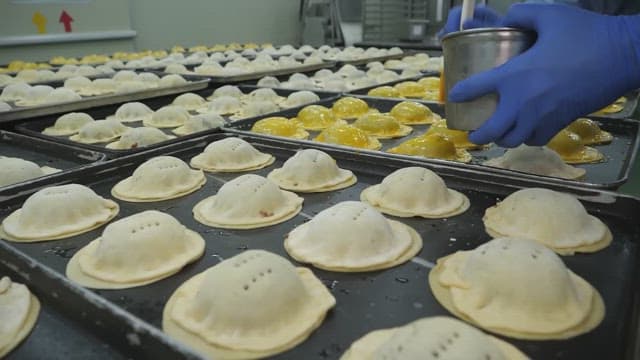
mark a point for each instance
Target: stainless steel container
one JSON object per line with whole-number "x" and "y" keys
{"x": 472, "y": 51}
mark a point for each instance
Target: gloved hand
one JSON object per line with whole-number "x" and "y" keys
{"x": 581, "y": 62}
{"x": 482, "y": 17}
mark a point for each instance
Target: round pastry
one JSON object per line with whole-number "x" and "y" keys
{"x": 135, "y": 251}
{"x": 382, "y": 126}
{"x": 300, "y": 98}
{"x": 410, "y": 89}
{"x": 352, "y": 236}
{"x": 269, "y": 81}
{"x": 68, "y": 124}
{"x": 350, "y": 108}
{"x": 536, "y": 160}
{"x": 139, "y": 137}
{"x": 459, "y": 138}
{"x": 15, "y": 92}
{"x": 231, "y": 155}
{"x": 253, "y": 305}
{"x": 159, "y": 178}
{"x": 555, "y": 219}
{"x": 223, "y": 105}
{"x": 590, "y": 132}
{"x": 415, "y": 191}
{"x": 77, "y": 83}
{"x": 190, "y": 101}
{"x": 130, "y": 86}
{"x": 99, "y": 131}
{"x": 280, "y": 126}
{"x": 199, "y": 123}
{"x": 132, "y": 111}
{"x": 15, "y": 170}
{"x": 311, "y": 170}
{"x": 430, "y": 83}
{"x": 384, "y": 91}
{"x": 317, "y": 117}
{"x": 432, "y": 146}
{"x": 167, "y": 117}
{"x": 34, "y": 95}
{"x": 517, "y": 288}
{"x": 413, "y": 113}
{"x": 348, "y": 135}
{"x": 264, "y": 94}
{"x": 171, "y": 80}
{"x": 248, "y": 202}
{"x": 255, "y": 108}
{"x": 571, "y": 149}
{"x": 176, "y": 69}
{"x": 226, "y": 90}
{"x": 100, "y": 87}
{"x": 19, "y": 310}
{"x": 58, "y": 212}
{"x": 437, "y": 337}
{"x": 60, "y": 95}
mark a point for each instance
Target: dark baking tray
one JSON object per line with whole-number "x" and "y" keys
{"x": 629, "y": 109}
{"x": 611, "y": 174}
{"x": 373, "y": 300}
{"x": 18, "y": 113}
{"x": 44, "y": 153}
{"x": 33, "y": 127}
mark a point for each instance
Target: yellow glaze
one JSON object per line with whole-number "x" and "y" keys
{"x": 382, "y": 126}
{"x": 432, "y": 146}
{"x": 350, "y": 108}
{"x": 348, "y": 135}
{"x": 571, "y": 149}
{"x": 589, "y": 131}
{"x": 384, "y": 91}
{"x": 413, "y": 113}
{"x": 316, "y": 117}
{"x": 411, "y": 89}
{"x": 280, "y": 126}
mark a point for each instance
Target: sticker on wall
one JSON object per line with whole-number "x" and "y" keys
{"x": 66, "y": 19}
{"x": 40, "y": 21}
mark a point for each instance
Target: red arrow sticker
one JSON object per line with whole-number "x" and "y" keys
{"x": 66, "y": 19}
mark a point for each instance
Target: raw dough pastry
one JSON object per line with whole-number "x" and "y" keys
{"x": 167, "y": 117}
{"x": 431, "y": 338}
{"x": 352, "y": 236}
{"x": 130, "y": 86}
{"x": 280, "y": 126}
{"x": 415, "y": 191}
{"x": 139, "y": 137}
{"x": 223, "y": 105}
{"x": 413, "y": 113}
{"x": 35, "y": 95}
{"x": 4, "y": 106}
{"x": 14, "y": 92}
{"x": 248, "y": 202}
{"x": 99, "y": 131}
{"x": 255, "y": 108}
{"x": 517, "y": 288}
{"x": 554, "y": 219}
{"x": 134, "y": 251}
{"x": 125, "y": 75}
{"x": 231, "y": 155}
{"x": 190, "y": 101}
{"x": 384, "y": 91}
{"x": 434, "y": 146}
{"x": 350, "y": 108}
{"x": 15, "y": 170}
{"x": 269, "y": 81}
{"x": 132, "y": 111}
{"x": 226, "y": 90}
{"x": 58, "y": 212}
{"x": 68, "y": 124}
{"x": 382, "y": 126}
{"x": 177, "y": 69}
{"x": 171, "y": 80}
{"x": 348, "y": 135}
{"x": 317, "y": 117}
{"x": 264, "y": 95}
{"x": 78, "y": 83}
{"x": 253, "y": 305}
{"x": 100, "y": 87}
{"x": 159, "y": 178}
{"x": 60, "y": 95}
{"x": 571, "y": 149}
{"x": 311, "y": 170}
{"x": 19, "y": 310}
{"x": 590, "y": 132}
{"x": 199, "y": 123}
{"x": 536, "y": 160}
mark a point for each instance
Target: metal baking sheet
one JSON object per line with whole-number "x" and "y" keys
{"x": 44, "y": 153}
{"x": 610, "y": 174}
{"x": 629, "y": 109}
{"x": 381, "y": 299}
{"x": 372, "y": 59}
{"x": 95, "y": 101}
{"x": 34, "y": 127}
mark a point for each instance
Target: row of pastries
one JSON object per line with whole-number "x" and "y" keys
{"x": 257, "y": 303}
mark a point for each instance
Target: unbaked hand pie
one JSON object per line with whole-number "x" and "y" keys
{"x": 300, "y": 98}
{"x": 58, "y": 212}
{"x": 350, "y": 108}
{"x": 280, "y": 126}
{"x": 15, "y": 170}
{"x": 311, "y": 170}
{"x": 537, "y": 160}
{"x": 590, "y": 132}
{"x": 19, "y": 310}
{"x": 167, "y": 117}
{"x": 171, "y": 80}
{"x": 263, "y": 94}
{"x": 317, "y": 117}
{"x": 555, "y": 219}
{"x": 384, "y": 91}
{"x": 134, "y": 251}
{"x": 33, "y": 96}
{"x": 68, "y": 124}
{"x": 131, "y": 112}
{"x": 435, "y": 146}
{"x": 159, "y": 178}
{"x": 226, "y": 90}
{"x": 571, "y": 149}
{"x": 382, "y": 126}
{"x": 348, "y": 135}
{"x": 517, "y": 288}
{"x": 253, "y": 305}
{"x": 415, "y": 191}
{"x": 99, "y": 131}
{"x": 352, "y": 236}
{"x": 231, "y": 155}
{"x": 199, "y": 123}
{"x": 223, "y": 105}
{"x": 431, "y": 338}
{"x": 255, "y": 108}
{"x": 139, "y": 137}
{"x": 190, "y": 101}
{"x": 413, "y": 113}
{"x": 248, "y": 202}
{"x": 60, "y": 95}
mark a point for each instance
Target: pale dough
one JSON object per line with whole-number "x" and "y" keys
{"x": 536, "y": 160}
{"x": 68, "y": 124}
{"x": 19, "y": 310}
{"x": 99, "y": 131}
{"x": 15, "y": 170}
{"x": 139, "y": 137}
{"x": 231, "y": 155}
{"x": 167, "y": 117}
{"x": 131, "y": 112}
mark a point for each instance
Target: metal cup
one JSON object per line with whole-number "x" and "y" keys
{"x": 472, "y": 51}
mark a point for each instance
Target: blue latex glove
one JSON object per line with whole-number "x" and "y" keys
{"x": 482, "y": 17}
{"x": 581, "y": 62}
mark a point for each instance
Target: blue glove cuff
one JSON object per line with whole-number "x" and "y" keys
{"x": 629, "y": 30}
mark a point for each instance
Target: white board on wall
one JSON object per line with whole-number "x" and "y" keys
{"x": 29, "y": 22}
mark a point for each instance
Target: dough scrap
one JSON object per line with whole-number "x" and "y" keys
{"x": 231, "y": 155}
